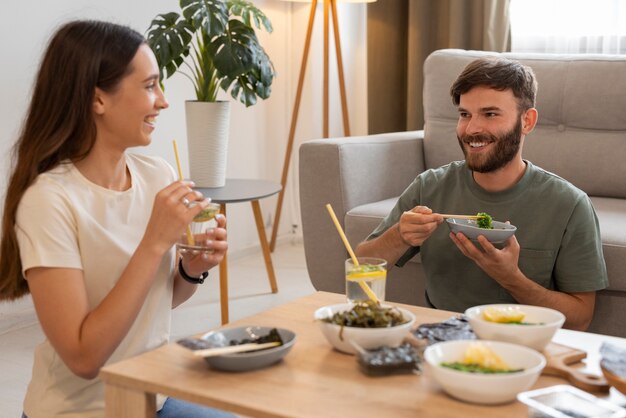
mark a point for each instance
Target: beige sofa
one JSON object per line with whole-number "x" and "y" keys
{"x": 581, "y": 136}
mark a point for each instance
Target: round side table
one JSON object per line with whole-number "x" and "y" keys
{"x": 243, "y": 190}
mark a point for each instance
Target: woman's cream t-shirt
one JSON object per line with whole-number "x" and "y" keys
{"x": 64, "y": 220}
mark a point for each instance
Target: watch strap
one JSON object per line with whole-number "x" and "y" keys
{"x": 187, "y": 277}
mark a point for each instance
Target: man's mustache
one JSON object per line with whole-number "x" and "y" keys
{"x": 478, "y": 138}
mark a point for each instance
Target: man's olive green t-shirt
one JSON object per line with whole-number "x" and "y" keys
{"x": 557, "y": 230}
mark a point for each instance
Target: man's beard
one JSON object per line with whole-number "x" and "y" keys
{"x": 506, "y": 147}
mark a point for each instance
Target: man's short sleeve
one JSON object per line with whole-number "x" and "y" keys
{"x": 580, "y": 264}
{"x": 407, "y": 201}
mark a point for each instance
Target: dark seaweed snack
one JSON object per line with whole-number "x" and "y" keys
{"x": 272, "y": 337}
{"x": 200, "y": 343}
{"x": 455, "y": 328}
{"x": 390, "y": 360}
{"x": 484, "y": 220}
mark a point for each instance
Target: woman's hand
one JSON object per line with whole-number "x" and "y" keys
{"x": 171, "y": 214}
{"x": 215, "y": 240}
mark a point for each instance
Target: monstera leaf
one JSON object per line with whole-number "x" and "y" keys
{"x": 215, "y": 40}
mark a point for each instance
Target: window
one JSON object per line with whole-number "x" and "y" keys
{"x": 568, "y": 26}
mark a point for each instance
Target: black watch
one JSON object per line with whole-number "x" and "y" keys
{"x": 192, "y": 280}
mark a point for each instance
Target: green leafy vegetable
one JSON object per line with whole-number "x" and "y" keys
{"x": 367, "y": 314}
{"x": 477, "y": 368}
{"x": 484, "y": 220}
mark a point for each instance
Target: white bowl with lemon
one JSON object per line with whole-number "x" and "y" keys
{"x": 483, "y": 372}
{"x": 532, "y": 326}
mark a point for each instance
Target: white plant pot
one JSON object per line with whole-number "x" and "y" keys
{"x": 207, "y": 141}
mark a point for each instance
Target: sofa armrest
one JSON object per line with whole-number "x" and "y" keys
{"x": 348, "y": 172}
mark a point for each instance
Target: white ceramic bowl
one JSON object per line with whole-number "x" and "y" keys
{"x": 501, "y": 231}
{"x": 368, "y": 338}
{"x": 484, "y": 388}
{"x": 545, "y": 322}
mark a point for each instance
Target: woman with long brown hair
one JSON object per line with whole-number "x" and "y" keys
{"x": 89, "y": 228}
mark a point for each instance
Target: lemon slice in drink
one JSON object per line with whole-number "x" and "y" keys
{"x": 503, "y": 314}
{"x": 366, "y": 271}
{"x": 207, "y": 214}
{"x": 366, "y": 274}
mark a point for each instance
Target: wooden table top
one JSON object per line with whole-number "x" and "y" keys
{"x": 313, "y": 380}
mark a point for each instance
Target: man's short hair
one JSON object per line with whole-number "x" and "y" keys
{"x": 499, "y": 74}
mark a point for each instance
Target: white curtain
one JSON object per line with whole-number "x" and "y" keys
{"x": 568, "y": 26}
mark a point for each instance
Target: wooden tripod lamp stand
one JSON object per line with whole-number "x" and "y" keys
{"x": 330, "y": 6}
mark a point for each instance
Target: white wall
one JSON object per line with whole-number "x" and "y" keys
{"x": 258, "y": 134}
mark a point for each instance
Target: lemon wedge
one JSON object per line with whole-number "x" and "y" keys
{"x": 480, "y": 354}
{"x": 206, "y": 215}
{"x": 503, "y": 314}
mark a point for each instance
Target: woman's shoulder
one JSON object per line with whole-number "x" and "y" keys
{"x": 150, "y": 165}
{"x": 149, "y": 162}
{"x": 53, "y": 181}
{"x": 49, "y": 189}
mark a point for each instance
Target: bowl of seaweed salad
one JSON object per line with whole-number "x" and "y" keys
{"x": 366, "y": 323}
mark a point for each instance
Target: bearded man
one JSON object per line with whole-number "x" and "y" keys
{"x": 554, "y": 259}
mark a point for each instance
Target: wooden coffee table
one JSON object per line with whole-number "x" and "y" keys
{"x": 313, "y": 380}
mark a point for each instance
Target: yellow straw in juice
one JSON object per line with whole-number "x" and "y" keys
{"x": 190, "y": 240}
{"x": 368, "y": 291}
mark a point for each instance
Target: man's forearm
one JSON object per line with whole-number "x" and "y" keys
{"x": 577, "y": 307}
{"x": 389, "y": 246}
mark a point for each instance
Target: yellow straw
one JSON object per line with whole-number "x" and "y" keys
{"x": 368, "y": 291}
{"x": 190, "y": 240}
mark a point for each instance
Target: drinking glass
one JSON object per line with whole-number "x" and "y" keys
{"x": 193, "y": 241}
{"x": 371, "y": 271}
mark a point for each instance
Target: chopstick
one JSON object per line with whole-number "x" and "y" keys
{"x": 231, "y": 349}
{"x": 190, "y": 238}
{"x": 364, "y": 286}
{"x": 447, "y": 215}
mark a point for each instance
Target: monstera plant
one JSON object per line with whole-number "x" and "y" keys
{"x": 213, "y": 42}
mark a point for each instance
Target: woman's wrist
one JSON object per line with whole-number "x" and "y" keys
{"x": 189, "y": 277}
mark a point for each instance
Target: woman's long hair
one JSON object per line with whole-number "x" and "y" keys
{"x": 59, "y": 124}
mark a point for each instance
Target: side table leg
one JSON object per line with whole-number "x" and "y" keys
{"x": 258, "y": 218}
{"x": 224, "y": 279}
